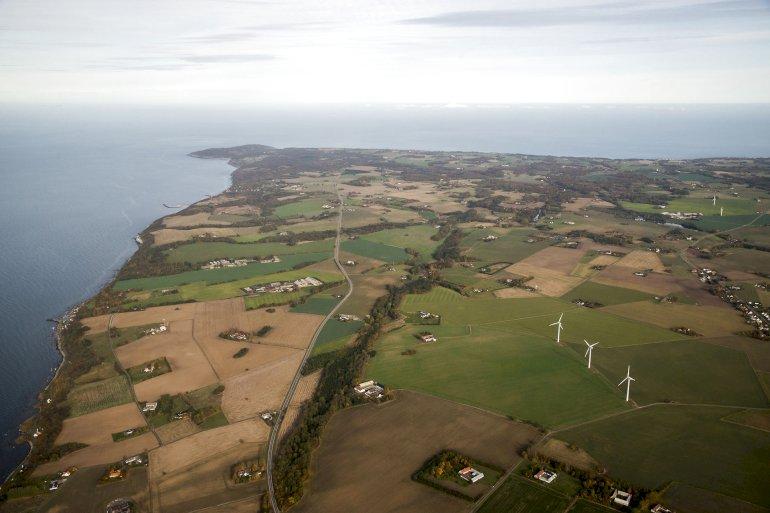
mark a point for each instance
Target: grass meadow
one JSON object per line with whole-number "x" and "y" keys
{"x": 98, "y": 395}
{"x": 376, "y": 250}
{"x": 519, "y": 495}
{"x": 604, "y": 294}
{"x": 206, "y": 251}
{"x": 689, "y": 444}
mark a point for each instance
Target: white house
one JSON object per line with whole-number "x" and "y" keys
{"x": 151, "y": 406}
{"x": 546, "y": 476}
{"x": 621, "y": 497}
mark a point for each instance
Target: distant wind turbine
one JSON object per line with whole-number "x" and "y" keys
{"x": 714, "y": 199}
{"x": 627, "y": 380}
{"x": 589, "y": 351}
{"x": 559, "y": 327}
{"x": 721, "y": 211}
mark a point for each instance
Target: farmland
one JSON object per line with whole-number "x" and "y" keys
{"x": 517, "y": 494}
{"x": 524, "y": 241}
{"x": 716, "y": 455}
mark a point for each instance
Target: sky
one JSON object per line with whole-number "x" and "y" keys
{"x": 451, "y": 52}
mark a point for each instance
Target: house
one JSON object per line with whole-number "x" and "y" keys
{"x": 151, "y": 406}
{"x": 428, "y": 337}
{"x": 115, "y": 473}
{"x": 133, "y": 460}
{"x": 659, "y": 508}
{"x": 546, "y": 476}
{"x": 350, "y": 263}
{"x": 55, "y": 484}
{"x": 471, "y": 475}
{"x": 425, "y": 315}
{"x": 489, "y": 238}
{"x": 370, "y": 389}
{"x": 621, "y": 497}
{"x": 149, "y": 368}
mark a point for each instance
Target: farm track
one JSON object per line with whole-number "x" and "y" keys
{"x": 276, "y": 429}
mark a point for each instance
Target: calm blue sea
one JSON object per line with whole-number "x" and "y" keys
{"x": 77, "y": 183}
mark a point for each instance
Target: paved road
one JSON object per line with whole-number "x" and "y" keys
{"x": 273, "y": 442}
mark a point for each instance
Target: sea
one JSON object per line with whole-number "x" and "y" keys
{"x": 78, "y": 182}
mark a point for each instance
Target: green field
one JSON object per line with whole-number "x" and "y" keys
{"x": 334, "y": 335}
{"x": 279, "y": 298}
{"x": 316, "y": 305}
{"x": 517, "y": 374}
{"x": 732, "y": 206}
{"x": 510, "y": 247}
{"x": 213, "y": 276}
{"x": 685, "y": 498}
{"x": 719, "y": 223}
{"x": 375, "y": 250}
{"x": 207, "y": 251}
{"x": 417, "y": 238}
{"x": 686, "y": 371}
{"x": 604, "y": 294}
{"x": 688, "y": 444}
{"x": 305, "y": 208}
{"x": 584, "y": 506}
{"x": 98, "y": 395}
{"x": 518, "y": 495}
{"x": 534, "y": 315}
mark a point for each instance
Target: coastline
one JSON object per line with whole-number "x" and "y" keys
{"x": 65, "y": 320}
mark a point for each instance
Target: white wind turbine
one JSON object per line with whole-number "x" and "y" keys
{"x": 589, "y": 351}
{"x": 559, "y": 327}
{"x": 714, "y": 199}
{"x": 627, "y": 380}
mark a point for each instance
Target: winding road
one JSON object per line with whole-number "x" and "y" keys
{"x": 273, "y": 441}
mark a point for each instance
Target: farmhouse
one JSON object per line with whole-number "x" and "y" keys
{"x": 225, "y": 262}
{"x": 471, "y": 475}
{"x": 659, "y": 508}
{"x": 283, "y": 286}
{"x": 154, "y": 331}
{"x": 134, "y": 460}
{"x": 489, "y": 238}
{"x": 428, "y": 337}
{"x": 621, "y": 497}
{"x": 151, "y": 406}
{"x": 370, "y": 389}
{"x": 546, "y": 476}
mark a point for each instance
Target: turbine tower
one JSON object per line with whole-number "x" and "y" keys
{"x": 627, "y": 380}
{"x": 559, "y": 327}
{"x": 721, "y": 211}
{"x": 589, "y": 351}
{"x": 714, "y": 199}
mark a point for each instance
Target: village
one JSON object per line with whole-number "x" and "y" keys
{"x": 240, "y": 262}
{"x": 283, "y": 286}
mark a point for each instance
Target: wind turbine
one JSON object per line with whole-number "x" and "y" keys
{"x": 559, "y": 327}
{"x": 714, "y": 199}
{"x": 627, "y": 380}
{"x": 721, "y": 211}
{"x": 589, "y": 351}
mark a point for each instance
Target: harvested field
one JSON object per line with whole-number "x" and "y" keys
{"x": 262, "y": 388}
{"x": 247, "y": 505}
{"x": 200, "y": 446}
{"x": 176, "y": 430}
{"x": 654, "y": 283}
{"x": 170, "y": 235}
{"x": 100, "y": 454}
{"x": 152, "y": 315}
{"x": 513, "y": 292}
{"x": 97, "y": 428}
{"x": 206, "y": 484}
{"x": 190, "y": 220}
{"x": 190, "y": 369}
{"x": 638, "y": 260}
{"x": 82, "y": 494}
{"x": 554, "y": 258}
{"x": 549, "y": 282}
{"x": 399, "y": 436}
{"x": 709, "y": 321}
{"x": 291, "y": 332}
{"x": 561, "y": 451}
{"x": 305, "y": 390}
{"x": 579, "y": 204}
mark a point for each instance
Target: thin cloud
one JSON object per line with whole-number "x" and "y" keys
{"x": 228, "y": 58}
{"x": 624, "y": 13}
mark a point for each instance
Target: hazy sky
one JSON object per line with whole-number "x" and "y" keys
{"x": 399, "y": 51}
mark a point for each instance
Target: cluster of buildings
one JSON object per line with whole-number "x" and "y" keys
{"x": 347, "y": 317}
{"x": 428, "y": 337}
{"x": 622, "y": 498}
{"x": 283, "y": 286}
{"x": 369, "y": 389}
{"x": 753, "y": 312}
{"x": 426, "y": 315}
{"x": 155, "y": 331}
{"x": 683, "y": 216}
{"x": 61, "y": 479}
{"x": 546, "y": 476}
{"x": 226, "y": 262}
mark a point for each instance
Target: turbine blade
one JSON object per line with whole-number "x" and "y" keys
{"x": 587, "y": 351}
